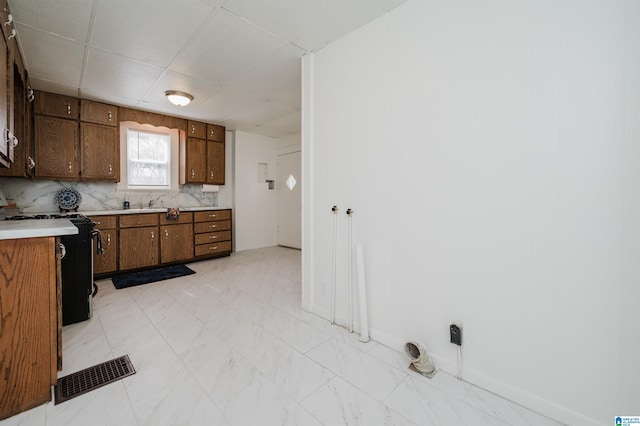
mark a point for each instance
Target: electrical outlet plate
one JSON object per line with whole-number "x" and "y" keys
{"x": 455, "y": 334}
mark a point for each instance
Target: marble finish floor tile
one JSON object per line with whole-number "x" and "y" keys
{"x": 231, "y": 346}
{"x": 359, "y": 369}
{"x": 339, "y": 403}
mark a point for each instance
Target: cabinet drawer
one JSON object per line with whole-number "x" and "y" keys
{"x": 215, "y": 133}
{"x": 186, "y": 217}
{"x": 210, "y": 215}
{"x": 134, "y": 220}
{"x": 99, "y": 113}
{"x": 195, "y": 129}
{"x": 213, "y": 237}
{"x": 56, "y": 105}
{"x": 213, "y": 248}
{"x": 202, "y": 227}
{"x": 105, "y": 222}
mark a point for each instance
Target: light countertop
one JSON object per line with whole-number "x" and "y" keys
{"x": 148, "y": 210}
{"x": 14, "y": 229}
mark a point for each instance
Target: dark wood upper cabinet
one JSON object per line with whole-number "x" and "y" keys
{"x": 98, "y": 113}
{"x": 56, "y": 148}
{"x": 99, "y": 152}
{"x": 215, "y": 163}
{"x": 196, "y": 129}
{"x": 193, "y": 161}
{"x": 57, "y": 105}
{"x": 215, "y": 133}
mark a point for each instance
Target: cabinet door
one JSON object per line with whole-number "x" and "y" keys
{"x": 138, "y": 247}
{"x": 99, "y": 152}
{"x": 196, "y": 129}
{"x": 56, "y": 143}
{"x": 176, "y": 242}
{"x": 56, "y": 105}
{"x": 196, "y": 159}
{"x": 99, "y": 113}
{"x": 215, "y": 163}
{"x": 108, "y": 261}
{"x": 215, "y": 133}
{"x": 4, "y": 147}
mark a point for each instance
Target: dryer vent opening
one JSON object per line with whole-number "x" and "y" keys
{"x": 420, "y": 360}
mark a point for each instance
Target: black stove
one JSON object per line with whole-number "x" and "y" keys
{"x": 76, "y": 261}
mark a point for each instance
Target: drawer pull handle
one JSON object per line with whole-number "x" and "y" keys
{"x": 213, "y": 248}
{"x": 213, "y": 237}
{"x": 212, "y": 215}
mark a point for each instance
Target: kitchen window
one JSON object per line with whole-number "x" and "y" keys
{"x": 148, "y": 158}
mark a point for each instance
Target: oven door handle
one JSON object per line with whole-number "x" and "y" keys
{"x": 96, "y": 233}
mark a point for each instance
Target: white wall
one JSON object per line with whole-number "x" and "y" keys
{"x": 289, "y": 143}
{"x": 489, "y": 150}
{"x": 255, "y": 205}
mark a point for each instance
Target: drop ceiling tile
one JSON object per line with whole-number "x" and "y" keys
{"x": 129, "y": 29}
{"x": 199, "y": 89}
{"x": 225, "y": 103}
{"x": 284, "y": 18}
{"x": 53, "y": 87}
{"x": 68, "y": 18}
{"x": 119, "y": 76}
{"x": 291, "y": 97}
{"x": 351, "y": 16}
{"x": 277, "y": 72}
{"x": 101, "y": 95}
{"x": 288, "y": 124}
{"x": 226, "y": 46}
{"x": 52, "y": 58}
{"x": 261, "y": 113}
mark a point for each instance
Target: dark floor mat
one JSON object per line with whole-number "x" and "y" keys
{"x": 149, "y": 276}
{"x": 91, "y": 378}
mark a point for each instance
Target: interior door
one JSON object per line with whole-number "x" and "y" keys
{"x": 289, "y": 200}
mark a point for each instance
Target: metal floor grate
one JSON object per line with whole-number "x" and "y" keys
{"x": 91, "y": 378}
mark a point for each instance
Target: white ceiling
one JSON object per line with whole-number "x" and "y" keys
{"x": 240, "y": 59}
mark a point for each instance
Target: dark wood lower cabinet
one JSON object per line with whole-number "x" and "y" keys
{"x": 108, "y": 260}
{"x": 138, "y": 247}
{"x": 176, "y": 242}
{"x": 29, "y": 323}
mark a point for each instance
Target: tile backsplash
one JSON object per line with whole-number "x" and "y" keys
{"x": 36, "y": 196}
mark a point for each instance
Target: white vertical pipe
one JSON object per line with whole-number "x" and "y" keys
{"x": 362, "y": 295}
{"x": 349, "y": 213}
{"x": 333, "y": 277}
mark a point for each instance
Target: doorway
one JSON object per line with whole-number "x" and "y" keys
{"x": 289, "y": 200}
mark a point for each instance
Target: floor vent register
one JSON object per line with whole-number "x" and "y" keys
{"x": 91, "y": 378}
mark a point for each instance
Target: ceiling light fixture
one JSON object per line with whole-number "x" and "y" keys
{"x": 178, "y": 98}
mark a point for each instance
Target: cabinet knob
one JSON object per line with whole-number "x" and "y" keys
{"x": 166, "y": 234}
{"x": 213, "y": 237}
{"x": 193, "y": 173}
{"x": 212, "y": 215}
{"x": 108, "y": 239}
{"x": 213, "y": 248}
{"x": 31, "y": 163}
{"x": 212, "y": 226}
{"x": 212, "y": 132}
{"x": 70, "y": 169}
{"x": 193, "y": 128}
{"x": 211, "y": 174}
{"x": 109, "y": 116}
{"x": 110, "y": 169}
{"x": 153, "y": 235}
{"x": 68, "y": 108}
